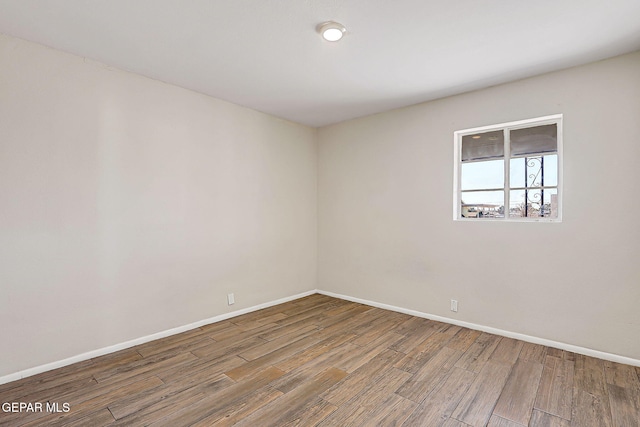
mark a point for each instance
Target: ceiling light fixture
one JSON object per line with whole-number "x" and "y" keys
{"x": 331, "y": 31}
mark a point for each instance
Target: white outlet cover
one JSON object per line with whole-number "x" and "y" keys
{"x": 454, "y": 305}
{"x": 230, "y": 299}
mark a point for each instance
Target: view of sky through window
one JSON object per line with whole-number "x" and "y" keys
{"x": 490, "y": 175}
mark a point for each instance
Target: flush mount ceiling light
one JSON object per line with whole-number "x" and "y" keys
{"x": 331, "y": 31}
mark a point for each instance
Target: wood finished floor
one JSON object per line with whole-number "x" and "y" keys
{"x": 328, "y": 362}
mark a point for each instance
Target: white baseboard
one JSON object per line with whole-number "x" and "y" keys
{"x": 121, "y": 346}
{"x": 535, "y": 340}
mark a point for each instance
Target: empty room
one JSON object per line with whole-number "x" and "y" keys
{"x": 319, "y": 213}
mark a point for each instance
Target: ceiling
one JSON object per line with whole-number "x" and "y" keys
{"x": 267, "y": 55}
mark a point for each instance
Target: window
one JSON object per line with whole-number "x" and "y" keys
{"x": 510, "y": 171}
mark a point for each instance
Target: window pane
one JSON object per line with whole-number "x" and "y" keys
{"x": 535, "y": 171}
{"x": 482, "y": 175}
{"x": 487, "y": 145}
{"x": 539, "y": 203}
{"x": 482, "y": 204}
{"x": 534, "y": 140}
{"x": 517, "y": 172}
{"x": 551, "y": 169}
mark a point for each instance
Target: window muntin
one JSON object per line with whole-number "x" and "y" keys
{"x": 528, "y": 183}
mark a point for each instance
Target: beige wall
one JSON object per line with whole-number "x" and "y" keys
{"x": 386, "y": 232}
{"x": 129, "y": 206}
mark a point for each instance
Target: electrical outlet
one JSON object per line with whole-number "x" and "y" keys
{"x": 454, "y": 305}
{"x": 231, "y": 299}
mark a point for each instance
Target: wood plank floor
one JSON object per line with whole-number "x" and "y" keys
{"x": 321, "y": 361}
